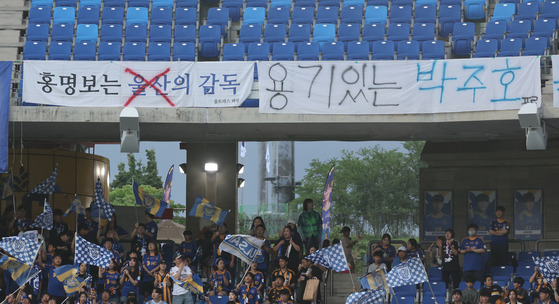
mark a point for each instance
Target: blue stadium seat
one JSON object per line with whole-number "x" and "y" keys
{"x": 299, "y": 33}
{"x": 352, "y": 2}
{"x": 406, "y": 300}
{"x": 377, "y": 14}
{"x": 138, "y": 3}
{"x": 358, "y": 50}
{"x": 88, "y": 15}
{"x": 305, "y": 3}
{"x": 47, "y": 3}
{"x": 423, "y": 32}
{"x": 475, "y": 9}
{"x": 429, "y": 299}
{"x": 254, "y": 15}
{"x": 258, "y": 51}
{"x": 283, "y": 51}
{"x": 278, "y": 15}
{"x": 520, "y": 29}
{"x": 435, "y": 273}
{"x": 308, "y": 51}
{"x": 513, "y": 47}
{"x": 495, "y": 30}
{"x": 373, "y": 32}
{"x": 60, "y": 50}
{"x": 85, "y": 51}
{"x": 550, "y": 9}
{"x": 185, "y": 15}
{"x": 134, "y": 51}
{"x": 333, "y": 51}
{"x": 136, "y": 33}
{"x": 437, "y": 288}
{"x": 162, "y": 3}
{"x": 542, "y": 28}
{"x": 114, "y": 3}
{"x": 398, "y": 32}
{"x": 526, "y": 262}
{"x": 68, "y": 3}
{"x": 378, "y": 3}
{"x": 280, "y": 3}
{"x": 302, "y": 15}
{"x": 401, "y": 14}
{"x": 184, "y": 51}
{"x": 185, "y": 33}
{"x": 384, "y": 50}
{"x": 528, "y": 11}
{"x": 113, "y": 15}
{"x": 486, "y": 48}
{"x": 91, "y": 3}
{"x": 527, "y": 271}
{"x": 187, "y": 3}
{"x": 209, "y": 38}
{"x": 406, "y": 290}
{"x": 348, "y": 33}
{"x": 136, "y": 15}
{"x": 408, "y": 50}
{"x": 352, "y": 14}
{"x": 111, "y": 32}
{"x": 87, "y": 33}
{"x": 219, "y": 16}
{"x": 218, "y": 299}
{"x": 250, "y": 33}
{"x": 109, "y": 50}
{"x": 257, "y": 3}
{"x": 463, "y": 37}
{"x": 234, "y": 7}
{"x": 327, "y": 14}
{"x": 34, "y": 50}
{"x": 64, "y": 15}
{"x": 37, "y": 32}
{"x": 159, "y": 51}
{"x": 275, "y": 33}
{"x": 510, "y": 1}
{"x": 550, "y": 253}
{"x": 39, "y": 14}
{"x": 433, "y": 50}
{"x": 426, "y": 2}
{"x": 402, "y": 2}
{"x": 234, "y": 52}
{"x": 536, "y": 46}
{"x": 160, "y": 33}
{"x": 504, "y": 12}
{"x": 162, "y": 15}
{"x": 62, "y": 32}
{"x": 425, "y": 13}
{"x": 448, "y": 15}
{"x": 323, "y": 33}
{"x": 451, "y": 2}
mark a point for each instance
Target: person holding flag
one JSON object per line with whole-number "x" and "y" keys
{"x": 248, "y": 292}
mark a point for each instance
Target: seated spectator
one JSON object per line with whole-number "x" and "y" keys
{"x": 402, "y": 256}
{"x": 220, "y": 280}
{"x": 277, "y": 287}
{"x": 545, "y": 296}
{"x": 286, "y": 273}
{"x": 388, "y": 251}
{"x": 156, "y": 296}
{"x": 511, "y": 298}
{"x": 308, "y": 271}
{"x": 284, "y": 297}
{"x": 414, "y": 250}
{"x": 496, "y": 290}
{"x": 520, "y": 294}
{"x": 247, "y": 291}
{"x": 233, "y": 298}
{"x": 377, "y": 258}
{"x": 538, "y": 282}
{"x": 470, "y": 295}
{"x": 484, "y": 295}
{"x": 554, "y": 285}
{"x": 456, "y": 297}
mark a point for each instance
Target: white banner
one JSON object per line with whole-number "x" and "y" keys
{"x": 398, "y": 87}
{"x": 137, "y": 84}
{"x": 555, "y": 70}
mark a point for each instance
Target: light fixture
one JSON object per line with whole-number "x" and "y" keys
{"x": 210, "y": 167}
{"x": 182, "y": 168}
{"x": 129, "y": 130}
{"x": 530, "y": 119}
{"x": 240, "y": 182}
{"x": 240, "y": 168}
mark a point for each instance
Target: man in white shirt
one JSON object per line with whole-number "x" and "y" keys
{"x": 156, "y": 296}
{"x": 181, "y": 272}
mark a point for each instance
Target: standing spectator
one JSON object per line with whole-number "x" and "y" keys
{"x": 247, "y": 291}
{"x": 289, "y": 248}
{"x": 470, "y": 295}
{"x": 499, "y": 231}
{"x": 554, "y": 289}
{"x": 151, "y": 227}
{"x": 307, "y": 272}
{"x": 21, "y": 223}
{"x": 473, "y": 248}
{"x": 162, "y": 281}
{"x": 450, "y": 263}
{"x": 310, "y": 223}
{"x": 139, "y": 241}
{"x": 58, "y": 226}
{"x": 258, "y": 277}
{"x": 257, "y": 221}
{"x": 55, "y": 287}
{"x": 221, "y": 279}
{"x": 188, "y": 247}
{"x": 130, "y": 279}
{"x": 414, "y": 250}
{"x": 227, "y": 258}
{"x": 150, "y": 264}
{"x": 7, "y": 222}
{"x": 265, "y": 251}
{"x": 347, "y": 245}
{"x": 436, "y": 252}
{"x": 111, "y": 280}
{"x": 91, "y": 224}
{"x": 388, "y": 251}
{"x": 181, "y": 272}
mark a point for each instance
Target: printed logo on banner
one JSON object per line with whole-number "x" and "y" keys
{"x": 94, "y": 252}
{"x": 552, "y": 265}
{"x": 404, "y": 273}
{"x": 18, "y": 245}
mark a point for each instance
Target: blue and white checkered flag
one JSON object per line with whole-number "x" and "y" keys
{"x": 21, "y": 248}
{"x": 101, "y": 208}
{"x": 332, "y": 257}
{"x": 548, "y": 266}
{"x": 47, "y": 186}
{"x": 409, "y": 272}
{"x": 44, "y": 220}
{"x": 91, "y": 254}
{"x": 366, "y": 297}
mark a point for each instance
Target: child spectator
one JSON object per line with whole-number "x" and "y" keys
{"x": 377, "y": 258}
{"x": 347, "y": 245}
{"x": 277, "y": 287}
{"x": 456, "y": 297}
{"x": 248, "y": 292}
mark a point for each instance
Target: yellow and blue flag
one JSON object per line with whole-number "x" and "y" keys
{"x": 168, "y": 184}
{"x": 205, "y": 209}
{"x": 193, "y": 285}
{"x": 68, "y": 275}
{"x": 21, "y": 273}
{"x": 375, "y": 281}
{"x": 76, "y": 207}
{"x": 152, "y": 205}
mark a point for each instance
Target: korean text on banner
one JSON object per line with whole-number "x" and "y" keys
{"x": 138, "y": 84}
{"x": 398, "y": 87}
{"x": 5, "y": 83}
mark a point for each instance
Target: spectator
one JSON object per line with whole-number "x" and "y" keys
{"x": 247, "y": 291}
{"x": 377, "y": 258}
{"x": 538, "y": 282}
{"x": 470, "y": 295}
{"x": 162, "y": 281}
{"x": 310, "y": 223}
{"x": 347, "y": 245}
{"x": 216, "y": 240}
{"x": 151, "y": 227}
{"x": 150, "y": 264}
{"x": 289, "y": 248}
{"x": 286, "y": 273}
{"x": 58, "y": 226}
{"x": 108, "y": 243}
{"x": 554, "y": 289}
{"x": 520, "y": 294}
{"x": 450, "y": 262}
{"x": 278, "y": 286}
{"x": 545, "y": 296}
{"x": 484, "y": 295}
{"x": 265, "y": 251}
{"x": 258, "y": 277}
{"x": 257, "y": 221}
{"x": 402, "y": 256}
{"x": 106, "y": 298}
{"x": 140, "y": 239}
{"x": 473, "y": 248}
{"x": 111, "y": 280}
{"x": 221, "y": 279}
{"x": 456, "y": 297}
{"x": 55, "y": 287}
{"x": 188, "y": 247}
{"x": 284, "y": 297}
{"x": 130, "y": 280}
{"x": 436, "y": 252}
{"x": 156, "y": 296}
{"x": 233, "y": 298}
{"x": 388, "y": 251}
{"x": 414, "y": 250}
{"x": 181, "y": 272}
{"x": 499, "y": 230}
{"x": 308, "y": 271}
{"x": 21, "y": 223}
{"x": 91, "y": 225}
{"x": 496, "y": 290}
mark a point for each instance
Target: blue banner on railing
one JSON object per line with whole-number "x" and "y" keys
{"x": 5, "y": 82}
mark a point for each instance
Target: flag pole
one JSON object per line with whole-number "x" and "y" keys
{"x": 395, "y": 297}
{"x": 428, "y": 282}
{"x": 244, "y": 275}
{"x": 13, "y": 194}
{"x": 65, "y": 300}
{"x": 29, "y": 279}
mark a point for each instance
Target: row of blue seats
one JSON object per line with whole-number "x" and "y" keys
{"x": 117, "y": 3}
{"x": 111, "y": 33}
{"x": 131, "y": 51}
{"x": 112, "y": 15}
{"x": 503, "y": 274}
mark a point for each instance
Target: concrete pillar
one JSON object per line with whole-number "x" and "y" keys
{"x": 219, "y": 188}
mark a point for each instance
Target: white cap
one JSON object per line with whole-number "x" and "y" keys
{"x": 402, "y": 248}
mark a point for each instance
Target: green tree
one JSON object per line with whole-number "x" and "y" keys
{"x": 143, "y": 175}
{"x": 375, "y": 190}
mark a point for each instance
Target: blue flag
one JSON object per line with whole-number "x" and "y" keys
{"x": 205, "y": 209}
{"x": 5, "y": 84}
{"x": 76, "y": 207}
{"x": 366, "y": 297}
{"x": 193, "y": 285}
{"x": 20, "y": 272}
{"x": 410, "y": 272}
{"x": 548, "y": 266}
{"x": 91, "y": 254}
{"x": 68, "y": 275}
{"x": 100, "y": 207}
{"x": 327, "y": 203}
{"x": 21, "y": 248}
{"x": 45, "y": 219}
{"x": 245, "y": 247}
{"x": 48, "y": 185}
{"x": 168, "y": 184}
{"x": 332, "y": 257}
{"x": 152, "y": 205}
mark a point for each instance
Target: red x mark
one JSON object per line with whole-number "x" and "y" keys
{"x": 147, "y": 84}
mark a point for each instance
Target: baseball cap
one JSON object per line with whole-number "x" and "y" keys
{"x": 402, "y": 248}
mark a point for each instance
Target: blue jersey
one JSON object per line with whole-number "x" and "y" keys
{"x": 151, "y": 227}
{"x": 150, "y": 262}
{"x": 218, "y": 283}
{"x": 417, "y": 253}
{"x": 437, "y": 224}
{"x": 188, "y": 248}
{"x": 263, "y": 257}
{"x": 258, "y": 278}
{"x": 55, "y": 288}
{"x": 111, "y": 282}
{"x": 473, "y": 261}
{"x": 21, "y": 225}
{"x": 249, "y": 294}
{"x": 118, "y": 247}
{"x": 498, "y": 225}
{"x": 128, "y": 286}
{"x": 387, "y": 252}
